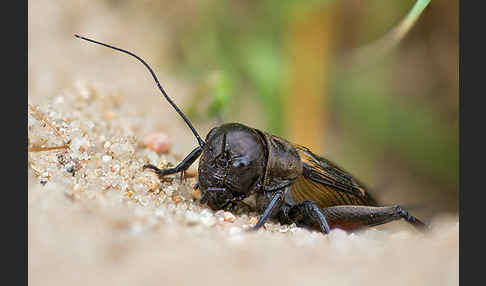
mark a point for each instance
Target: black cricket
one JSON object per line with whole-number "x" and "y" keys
{"x": 290, "y": 183}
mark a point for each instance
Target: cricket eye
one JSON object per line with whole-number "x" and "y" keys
{"x": 240, "y": 162}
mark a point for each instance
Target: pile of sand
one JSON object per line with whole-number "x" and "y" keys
{"x": 96, "y": 218}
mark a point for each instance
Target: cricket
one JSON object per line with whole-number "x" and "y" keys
{"x": 290, "y": 184}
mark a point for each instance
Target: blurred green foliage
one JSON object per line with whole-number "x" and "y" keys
{"x": 245, "y": 58}
{"x": 242, "y": 42}
{"x": 412, "y": 130}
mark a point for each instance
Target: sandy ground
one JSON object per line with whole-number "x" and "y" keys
{"x": 96, "y": 218}
{"x": 110, "y": 223}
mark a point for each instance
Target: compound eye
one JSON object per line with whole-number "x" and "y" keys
{"x": 240, "y": 162}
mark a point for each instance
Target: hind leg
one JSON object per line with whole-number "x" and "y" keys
{"x": 354, "y": 217}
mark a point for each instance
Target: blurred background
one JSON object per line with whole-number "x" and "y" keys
{"x": 305, "y": 70}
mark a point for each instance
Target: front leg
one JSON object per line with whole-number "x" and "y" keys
{"x": 184, "y": 165}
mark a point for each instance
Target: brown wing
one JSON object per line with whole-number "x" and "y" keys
{"x": 326, "y": 184}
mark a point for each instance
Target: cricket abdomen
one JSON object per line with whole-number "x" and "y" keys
{"x": 304, "y": 189}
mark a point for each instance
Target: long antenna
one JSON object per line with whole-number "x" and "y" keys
{"x": 201, "y": 142}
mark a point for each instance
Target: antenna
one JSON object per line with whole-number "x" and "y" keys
{"x": 201, "y": 142}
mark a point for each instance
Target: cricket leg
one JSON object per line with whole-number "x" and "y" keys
{"x": 184, "y": 165}
{"x": 270, "y": 209}
{"x": 354, "y": 217}
{"x": 305, "y": 213}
